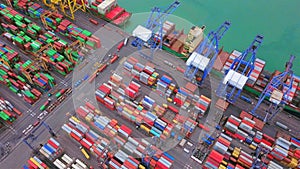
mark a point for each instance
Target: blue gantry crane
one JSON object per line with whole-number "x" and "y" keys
{"x": 28, "y": 140}
{"x": 274, "y": 91}
{"x": 237, "y": 75}
{"x": 152, "y": 34}
{"x": 204, "y": 56}
{"x": 149, "y": 151}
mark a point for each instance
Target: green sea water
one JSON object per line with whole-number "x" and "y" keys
{"x": 277, "y": 20}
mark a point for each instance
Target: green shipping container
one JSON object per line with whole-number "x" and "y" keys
{"x": 13, "y": 89}
{"x": 4, "y": 116}
{"x": 21, "y": 79}
{"x": 86, "y": 33}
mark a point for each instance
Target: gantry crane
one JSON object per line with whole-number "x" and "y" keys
{"x": 47, "y": 14}
{"x": 28, "y": 140}
{"x": 9, "y": 3}
{"x": 149, "y": 152}
{"x": 75, "y": 46}
{"x": 71, "y": 5}
{"x": 237, "y": 75}
{"x": 260, "y": 154}
{"x": 204, "y": 56}
{"x": 4, "y": 63}
{"x": 152, "y": 33}
{"x": 274, "y": 91}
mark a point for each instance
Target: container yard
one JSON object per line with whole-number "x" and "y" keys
{"x": 79, "y": 92}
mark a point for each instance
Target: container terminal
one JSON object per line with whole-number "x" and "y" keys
{"x": 79, "y": 92}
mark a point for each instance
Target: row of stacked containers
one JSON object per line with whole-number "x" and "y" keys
{"x": 8, "y": 112}
{"x": 100, "y": 133}
{"x": 18, "y": 82}
{"x": 24, "y": 77}
{"x": 277, "y": 153}
{"x": 52, "y": 155}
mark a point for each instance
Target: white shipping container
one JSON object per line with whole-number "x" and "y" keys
{"x": 80, "y": 163}
{"x": 231, "y": 127}
{"x": 220, "y": 148}
{"x": 226, "y": 137}
{"x": 66, "y": 128}
{"x": 133, "y": 141}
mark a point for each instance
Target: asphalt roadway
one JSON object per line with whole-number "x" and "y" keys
{"x": 21, "y": 152}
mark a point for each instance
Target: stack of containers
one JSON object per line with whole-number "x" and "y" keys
{"x": 43, "y": 81}
{"x": 148, "y": 103}
{"x": 165, "y": 161}
{"x": 234, "y": 54}
{"x": 148, "y": 76}
{"x": 125, "y": 131}
{"x": 293, "y": 90}
{"x": 213, "y": 160}
{"x": 188, "y": 126}
{"x": 132, "y": 90}
{"x": 102, "y": 92}
{"x": 245, "y": 159}
{"x": 258, "y": 68}
{"x": 52, "y": 149}
{"x": 168, "y": 27}
{"x": 7, "y": 116}
{"x": 35, "y": 162}
{"x": 247, "y": 126}
{"x": 202, "y": 105}
{"x": 281, "y": 149}
{"x": 273, "y": 165}
{"x": 181, "y": 96}
{"x": 231, "y": 126}
{"x": 163, "y": 83}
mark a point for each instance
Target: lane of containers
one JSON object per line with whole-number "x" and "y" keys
{"x": 31, "y": 38}
{"x": 53, "y": 151}
{"x": 108, "y": 129}
{"x": 56, "y": 22}
{"x": 139, "y": 114}
{"x": 19, "y": 83}
{"x": 224, "y": 155}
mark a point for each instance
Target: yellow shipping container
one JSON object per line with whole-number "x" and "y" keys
{"x": 175, "y": 121}
{"x": 293, "y": 163}
{"x": 75, "y": 119}
{"x": 252, "y": 147}
{"x": 141, "y": 166}
{"x": 87, "y": 118}
{"x": 224, "y": 163}
{"x": 166, "y": 133}
{"x": 172, "y": 87}
{"x": 222, "y": 166}
{"x": 98, "y": 111}
{"x": 145, "y": 128}
{"x": 169, "y": 100}
{"x": 165, "y": 105}
{"x": 235, "y": 154}
{"x": 112, "y": 132}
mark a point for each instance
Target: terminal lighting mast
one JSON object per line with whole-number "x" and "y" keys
{"x": 152, "y": 33}
{"x": 204, "y": 56}
{"x": 277, "y": 91}
{"x": 237, "y": 75}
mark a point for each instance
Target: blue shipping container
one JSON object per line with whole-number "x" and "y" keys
{"x": 49, "y": 148}
{"x": 169, "y": 156}
{"x": 158, "y": 126}
{"x": 166, "y": 79}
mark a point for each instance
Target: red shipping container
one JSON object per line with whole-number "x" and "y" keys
{"x": 85, "y": 144}
{"x": 75, "y": 137}
{"x": 52, "y": 144}
{"x": 81, "y": 112}
{"x": 90, "y": 106}
{"x": 233, "y": 121}
{"x": 173, "y": 109}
